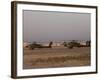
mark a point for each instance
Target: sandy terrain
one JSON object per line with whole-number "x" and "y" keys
{"x": 56, "y": 57}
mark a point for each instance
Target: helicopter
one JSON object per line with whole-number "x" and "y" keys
{"x": 36, "y": 45}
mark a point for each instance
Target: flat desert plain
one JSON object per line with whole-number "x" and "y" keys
{"x": 56, "y": 57}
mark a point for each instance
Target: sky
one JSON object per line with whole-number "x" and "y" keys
{"x": 41, "y": 26}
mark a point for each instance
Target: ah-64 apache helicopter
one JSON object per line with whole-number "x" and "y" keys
{"x": 36, "y": 45}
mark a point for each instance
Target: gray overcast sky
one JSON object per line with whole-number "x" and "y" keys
{"x": 55, "y": 26}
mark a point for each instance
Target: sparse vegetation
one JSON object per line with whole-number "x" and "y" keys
{"x": 60, "y": 59}
{"x": 56, "y": 57}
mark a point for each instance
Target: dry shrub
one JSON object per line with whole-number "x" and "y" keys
{"x": 61, "y": 59}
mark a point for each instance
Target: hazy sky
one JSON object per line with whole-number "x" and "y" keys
{"x": 55, "y": 26}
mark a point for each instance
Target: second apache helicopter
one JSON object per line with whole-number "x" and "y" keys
{"x": 74, "y": 43}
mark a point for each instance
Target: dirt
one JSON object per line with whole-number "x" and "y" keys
{"x": 56, "y": 57}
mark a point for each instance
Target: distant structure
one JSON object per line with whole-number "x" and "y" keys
{"x": 25, "y": 44}
{"x": 83, "y": 43}
{"x": 57, "y": 44}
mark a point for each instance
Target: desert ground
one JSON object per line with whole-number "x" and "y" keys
{"x": 56, "y": 57}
